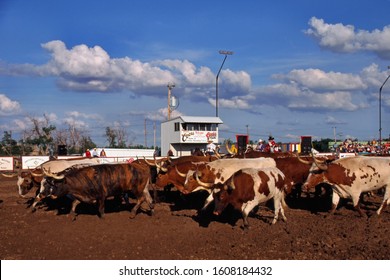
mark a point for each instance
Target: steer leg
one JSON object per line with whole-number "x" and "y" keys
{"x": 73, "y": 209}
{"x": 100, "y": 204}
{"x": 278, "y": 207}
{"x": 386, "y": 200}
{"x": 37, "y": 199}
{"x": 133, "y": 212}
{"x": 356, "y": 204}
{"x": 246, "y": 209}
{"x": 335, "y": 202}
{"x": 148, "y": 199}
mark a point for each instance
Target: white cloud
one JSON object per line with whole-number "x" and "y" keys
{"x": 345, "y": 39}
{"x": 235, "y": 103}
{"x": 76, "y": 114}
{"x": 332, "y": 120}
{"x": 8, "y": 106}
{"x": 296, "y": 96}
{"x": 84, "y": 68}
{"x": 320, "y": 80}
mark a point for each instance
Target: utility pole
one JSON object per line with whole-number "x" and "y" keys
{"x": 154, "y": 135}
{"x": 226, "y": 53}
{"x": 380, "y": 113}
{"x": 146, "y": 145}
{"x": 170, "y": 87}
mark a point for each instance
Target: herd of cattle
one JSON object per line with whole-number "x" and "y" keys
{"x": 242, "y": 181}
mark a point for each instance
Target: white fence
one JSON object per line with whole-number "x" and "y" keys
{"x": 113, "y": 155}
{"x": 6, "y": 163}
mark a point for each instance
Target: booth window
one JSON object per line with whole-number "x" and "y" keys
{"x": 177, "y": 126}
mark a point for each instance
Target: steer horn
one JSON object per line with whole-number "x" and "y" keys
{"x": 9, "y": 175}
{"x": 228, "y": 149}
{"x": 320, "y": 164}
{"x": 55, "y": 176}
{"x": 302, "y": 160}
{"x": 203, "y": 184}
{"x": 180, "y": 174}
{"x": 151, "y": 164}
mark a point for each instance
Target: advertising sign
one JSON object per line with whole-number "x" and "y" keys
{"x": 6, "y": 163}
{"x": 196, "y": 136}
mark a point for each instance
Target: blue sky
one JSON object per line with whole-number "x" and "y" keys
{"x": 299, "y": 67}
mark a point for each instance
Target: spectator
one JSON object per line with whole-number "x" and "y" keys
{"x": 87, "y": 153}
{"x": 210, "y": 148}
{"x": 260, "y": 145}
{"x": 95, "y": 153}
{"x": 103, "y": 153}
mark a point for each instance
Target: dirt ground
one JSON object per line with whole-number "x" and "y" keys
{"x": 177, "y": 232}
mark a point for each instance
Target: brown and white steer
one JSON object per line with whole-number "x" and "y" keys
{"x": 351, "y": 176}
{"x": 249, "y": 187}
{"x": 207, "y": 175}
{"x": 169, "y": 176}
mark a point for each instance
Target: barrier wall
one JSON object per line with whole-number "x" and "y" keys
{"x": 31, "y": 162}
{"x": 6, "y": 163}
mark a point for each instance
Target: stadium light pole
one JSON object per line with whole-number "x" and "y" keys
{"x": 226, "y": 53}
{"x": 380, "y": 112}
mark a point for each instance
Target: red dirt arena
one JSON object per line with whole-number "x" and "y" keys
{"x": 177, "y": 232}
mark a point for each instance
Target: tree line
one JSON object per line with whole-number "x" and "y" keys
{"x": 43, "y": 138}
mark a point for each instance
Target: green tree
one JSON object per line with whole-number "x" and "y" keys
{"x": 111, "y": 137}
{"x": 322, "y": 145}
{"x": 86, "y": 143}
{"x": 40, "y": 135}
{"x": 9, "y": 146}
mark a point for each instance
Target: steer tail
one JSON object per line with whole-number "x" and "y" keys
{"x": 284, "y": 204}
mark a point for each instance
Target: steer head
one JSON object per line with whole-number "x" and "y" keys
{"x": 202, "y": 177}
{"x": 221, "y": 195}
{"x": 316, "y": 176}
{"x": 27, "y": 180}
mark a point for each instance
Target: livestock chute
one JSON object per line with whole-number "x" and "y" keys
{"x": 306, "y": 144}
{"x": 242, "y": 142}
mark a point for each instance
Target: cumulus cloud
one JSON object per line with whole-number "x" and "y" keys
{"x": 345, "y": 39}
{"x": 76, "y": 114}
{"x": 320, "y": 80}
{"x": 87, "y": 69}
{"x": 235, "y": 103}
{"x": 8, "y": 106}
{"x": 314, "y": 90}
{"x": 332, "y": 120}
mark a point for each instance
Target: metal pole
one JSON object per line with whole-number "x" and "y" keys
{"x": 226, "y": 53}
{"x": 170, "y": 86}
{"x": 380, "y": 113}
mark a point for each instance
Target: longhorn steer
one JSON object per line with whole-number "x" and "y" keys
{"x": 93, "y": 184}
{"x": 249, "y": 187}
{"x": 53, "y": 167}
{"x": 220, "y": 170}
{"x": 351, "y": 176}
{"x": 59, "y": 165}
{"x": 207, "y": 175}
{"x": 169, "y": 174}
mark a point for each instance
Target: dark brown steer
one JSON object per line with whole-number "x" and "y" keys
{"x": 93, "y": 184}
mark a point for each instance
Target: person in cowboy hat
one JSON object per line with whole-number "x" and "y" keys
{"x": 272, "y": 144}
{"x": 210, "y": 148}
{"x": 260, "y": 145}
